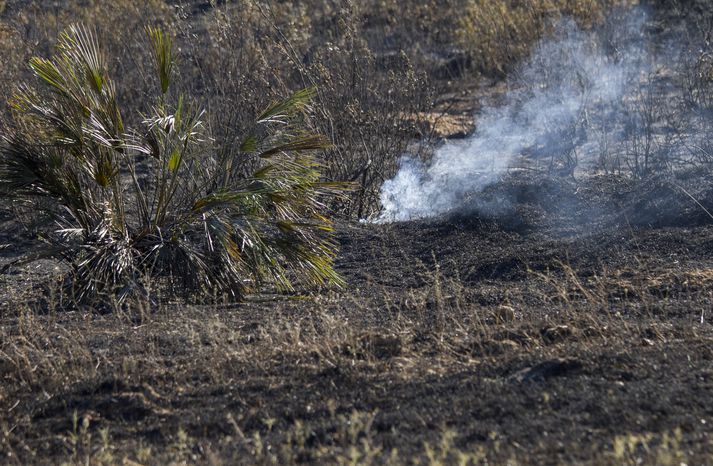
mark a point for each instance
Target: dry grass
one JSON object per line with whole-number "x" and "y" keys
{"x": 496, "y": 35}
{"x": 92, "y": 385}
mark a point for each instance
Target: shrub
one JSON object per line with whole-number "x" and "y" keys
{"x": 496, "y": 35}
{"x": 132, "y": 205}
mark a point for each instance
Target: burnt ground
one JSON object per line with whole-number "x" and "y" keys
{"x": 571, "y": 325}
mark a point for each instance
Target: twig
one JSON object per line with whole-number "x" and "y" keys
{"x": 694, "y": 199}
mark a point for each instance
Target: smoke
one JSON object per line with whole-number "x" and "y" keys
{"x": 566, "y": 106}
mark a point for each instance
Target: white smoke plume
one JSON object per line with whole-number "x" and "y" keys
{"x": 573, "y": 85}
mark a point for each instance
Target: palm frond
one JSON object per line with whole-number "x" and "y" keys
{"x": 280, "y": 111}
{"x": 163, "y": 55}
{"x": 308, "y": 142}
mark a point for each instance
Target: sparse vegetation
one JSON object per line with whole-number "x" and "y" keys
{"x": 497, "y": 35}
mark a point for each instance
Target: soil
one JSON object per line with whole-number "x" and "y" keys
{"x": 575, "y": 331}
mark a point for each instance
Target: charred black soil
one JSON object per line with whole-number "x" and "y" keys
{"x": 570, "y": 326}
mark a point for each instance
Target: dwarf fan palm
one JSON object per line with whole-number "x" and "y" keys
{"x": 157, "y": 201}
